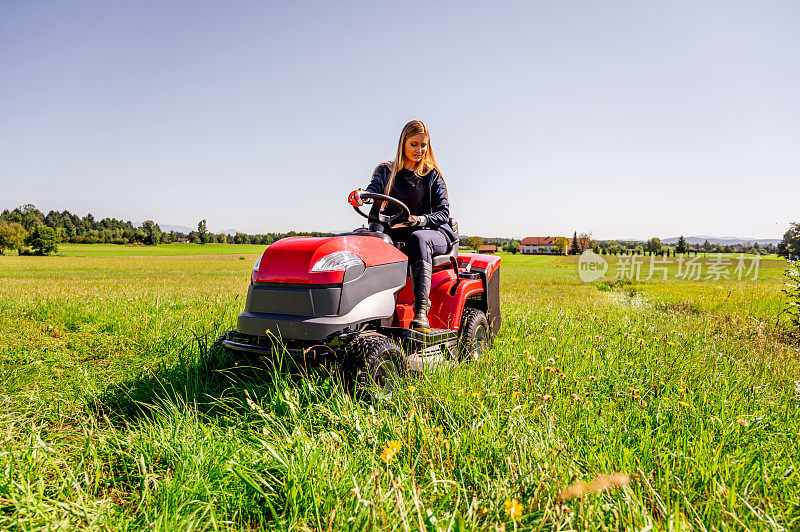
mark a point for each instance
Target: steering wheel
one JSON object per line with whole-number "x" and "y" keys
{"x": 376, "y": 216}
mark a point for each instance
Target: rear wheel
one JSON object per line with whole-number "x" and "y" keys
{"x": 475, "y": 338}
{"x": 374, "y": 365}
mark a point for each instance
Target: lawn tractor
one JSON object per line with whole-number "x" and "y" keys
{"x": 349, "y": 297}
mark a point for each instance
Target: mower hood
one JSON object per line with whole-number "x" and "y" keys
{"x": 313, "y": 260}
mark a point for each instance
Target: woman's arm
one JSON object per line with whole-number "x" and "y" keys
{"x": 440, "y": 205}
{"x": 379, "y": 179}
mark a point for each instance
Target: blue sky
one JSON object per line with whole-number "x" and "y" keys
{"x": 626, "y": 119}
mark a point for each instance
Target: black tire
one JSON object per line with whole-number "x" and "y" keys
{"x": 217, "y": 349}
{"x": 374, "y": 366}
{"x": 475, "y": 337}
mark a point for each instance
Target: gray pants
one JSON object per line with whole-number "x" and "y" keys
{"x": 424, "y": 244}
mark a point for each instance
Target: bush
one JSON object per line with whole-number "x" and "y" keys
{"x": 43, "y": 240}
{"x": 12, "y": 236}
{"x": 792, "y": 290}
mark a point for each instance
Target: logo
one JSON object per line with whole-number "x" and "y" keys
{"x": 591, "y": 266}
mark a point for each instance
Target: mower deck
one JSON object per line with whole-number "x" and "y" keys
{"x": 426, "y": 349}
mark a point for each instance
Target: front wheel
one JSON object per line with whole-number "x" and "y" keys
{"x": 474, "y": 339}
{"x": 374, "y": 365}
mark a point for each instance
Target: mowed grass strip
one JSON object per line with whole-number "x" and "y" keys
{"x": 116, "y": 415}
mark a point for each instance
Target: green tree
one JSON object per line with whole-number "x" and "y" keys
{"x": 706, "y": 246}
{"x": 27, "y": 215}
{"x": 790, "y": 245}
{"x": 561, "y": 245}
{"x": 680, "y": 247}
{"x": 512, "y": 247}
{"x": 152, "y": 233}
{"x": 585, "y": 241}
{"x": 43, "y": 240}
{"x": 12, "y": 236}
{"x": 575, "y": 249}
{"x": 654, "y": 245}
{"x": 474, "y": 242}
{"x": 202, "y": 231}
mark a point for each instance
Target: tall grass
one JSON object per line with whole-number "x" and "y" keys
{"x": 117, "y": 415}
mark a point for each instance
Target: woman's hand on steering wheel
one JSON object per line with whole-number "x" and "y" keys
{"x": 412, "y": 221}
{"x": 378, "y": 200}
{"x": 354, "y": 198}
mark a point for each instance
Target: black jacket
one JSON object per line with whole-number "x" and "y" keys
{"x": 424, "y": 195}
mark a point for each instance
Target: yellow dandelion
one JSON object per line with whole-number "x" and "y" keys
{"x": 412, "y": 389}
{"x": 388, "y": 453}
{"x": 513, "y": 508}
{"x": 514, "y": 395}
{"x": 683, "y": 404}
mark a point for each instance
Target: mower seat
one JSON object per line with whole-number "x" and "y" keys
{"x": 449, "y": 258}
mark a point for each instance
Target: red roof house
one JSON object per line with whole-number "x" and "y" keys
{"x": 546, "y": 245}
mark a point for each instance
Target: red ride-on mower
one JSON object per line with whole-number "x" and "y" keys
{"x": 350, "y": 297}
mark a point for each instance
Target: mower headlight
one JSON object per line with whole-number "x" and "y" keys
{"x": 257, "y": 265}
{"x": 340, "y": 260}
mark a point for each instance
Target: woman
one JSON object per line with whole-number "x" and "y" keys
{"x": 414, "y": 178}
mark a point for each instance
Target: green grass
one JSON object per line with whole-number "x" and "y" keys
{"x": 114, "y": 416}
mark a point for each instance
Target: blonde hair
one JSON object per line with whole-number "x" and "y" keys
{"x": 428, "y": 162}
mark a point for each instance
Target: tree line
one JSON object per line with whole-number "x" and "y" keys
{"x": 789, "y": 247}
{"x": 28, "y": 230}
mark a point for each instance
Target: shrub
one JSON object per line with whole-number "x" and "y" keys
{"x": 792, "y": 291}
{"x": 12, "y": 236}
{"x": 43, "y": 240}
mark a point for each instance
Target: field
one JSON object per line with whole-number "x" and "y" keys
{"x": 114, "y": 415}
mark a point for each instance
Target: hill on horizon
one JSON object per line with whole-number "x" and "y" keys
{"x": 723, "y": 241}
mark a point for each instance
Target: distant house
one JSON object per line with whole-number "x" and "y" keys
{"x": 487, "y": 248}
{"x": 542, "y": 245}
{"x": 182, "y": 241}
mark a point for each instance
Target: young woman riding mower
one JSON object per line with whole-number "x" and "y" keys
{"x": 414, "y": 178}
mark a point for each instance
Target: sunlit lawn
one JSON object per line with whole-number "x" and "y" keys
{"x": 114, "y": 416}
